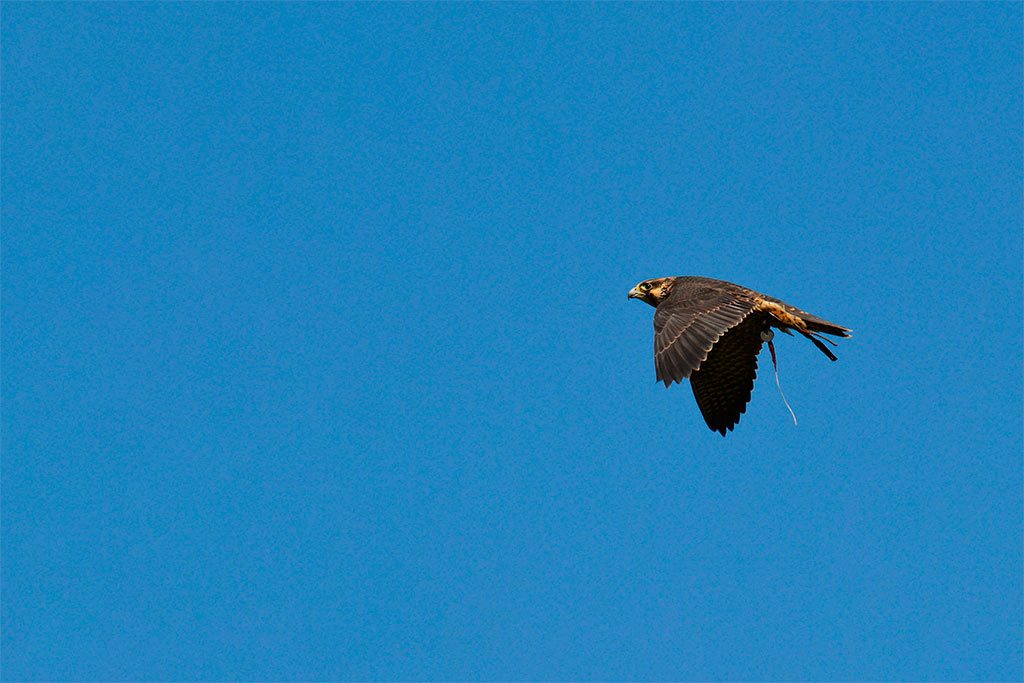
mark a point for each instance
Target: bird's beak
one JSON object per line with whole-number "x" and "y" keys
{"x": 634, "y": 294}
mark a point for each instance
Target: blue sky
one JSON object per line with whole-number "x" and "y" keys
{"x": 318, "y": 364}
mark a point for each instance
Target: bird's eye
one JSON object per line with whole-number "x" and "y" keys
{"x": 646, "y": 287}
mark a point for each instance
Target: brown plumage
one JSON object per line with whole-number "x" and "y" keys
{"x": 711, "y": 332}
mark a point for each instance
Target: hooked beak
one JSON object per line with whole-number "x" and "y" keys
{"x": 634, "y": 294}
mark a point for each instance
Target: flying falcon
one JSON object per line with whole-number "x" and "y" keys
{"x": 711, "y": 332}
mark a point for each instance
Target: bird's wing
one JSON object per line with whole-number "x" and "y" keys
{"x": 725, "y": 380}
{"x": 688, "y": 323}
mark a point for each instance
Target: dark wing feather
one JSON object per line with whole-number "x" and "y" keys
{"x": 688, "y": 323}
{"x": 724, "y": 382}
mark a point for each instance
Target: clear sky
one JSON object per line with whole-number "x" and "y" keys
{"x": 318, "y": 362}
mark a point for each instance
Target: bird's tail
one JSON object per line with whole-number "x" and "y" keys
{"x": 822, "y": 326}
{"x": 811, "y": 326}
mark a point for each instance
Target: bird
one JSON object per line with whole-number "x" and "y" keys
{"x": 712, "y": 331}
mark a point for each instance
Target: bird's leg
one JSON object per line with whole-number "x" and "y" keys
{"x": 824, "y": 339}
{"x": 818, "y": 342}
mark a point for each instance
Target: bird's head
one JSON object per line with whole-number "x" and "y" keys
{"x": 652, "y": 291}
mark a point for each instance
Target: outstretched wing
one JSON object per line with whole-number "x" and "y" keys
{"x": 688, "y": 323}
{"x": 725, "y": 380}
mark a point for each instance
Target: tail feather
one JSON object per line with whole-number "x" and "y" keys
{"x": 815, "y": 324}
{"x": 811, "y": 326}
